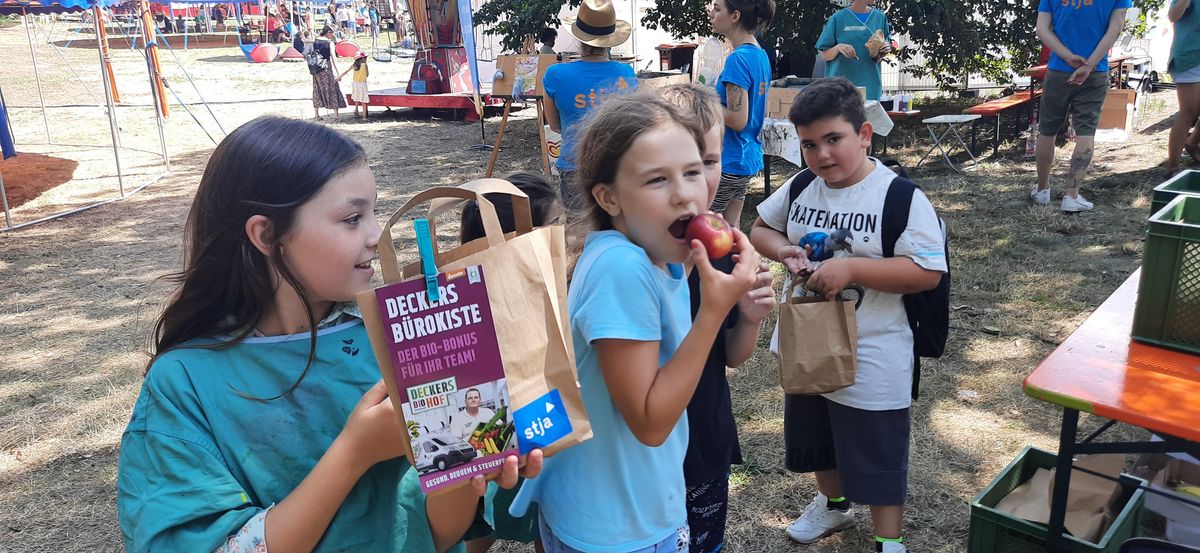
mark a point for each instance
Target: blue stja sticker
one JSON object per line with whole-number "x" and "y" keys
{"x": 541, "y": 423}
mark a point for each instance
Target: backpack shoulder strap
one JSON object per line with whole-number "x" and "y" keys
{"x": 896, "y": 206}
{"x": 798, "y": 183}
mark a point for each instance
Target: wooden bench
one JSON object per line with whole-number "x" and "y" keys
{"x": 996, "y": 108}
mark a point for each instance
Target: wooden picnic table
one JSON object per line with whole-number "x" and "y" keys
{"x": 1101, "y": 371}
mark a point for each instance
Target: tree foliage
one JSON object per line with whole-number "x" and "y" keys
{"x": 956, "y": 38}
{"x": 516, "y": 20}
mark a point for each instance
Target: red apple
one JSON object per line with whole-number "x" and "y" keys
{"x": 713, "y": 232}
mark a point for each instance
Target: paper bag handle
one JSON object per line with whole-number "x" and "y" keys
{"x": 387, "y": 245}
{"x": 522, "y": 211}
{"x": 791, "y": 290}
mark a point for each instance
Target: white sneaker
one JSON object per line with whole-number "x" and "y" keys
{"x": 1076, "y": 204}
{"x": 893, "y": 547}
{"x": 818, "y": 521}
{"x": 1040, "y": 197}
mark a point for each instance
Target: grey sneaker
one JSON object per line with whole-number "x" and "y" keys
{"x": 1040, "y": 197}
{"x": 1076, "y": 204}
{"x": 818, "y": 521}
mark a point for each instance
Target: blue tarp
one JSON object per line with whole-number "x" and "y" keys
{"x": 17, "y": 7}
{"x": 6, "y": 140}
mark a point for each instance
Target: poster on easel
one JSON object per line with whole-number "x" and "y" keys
{"x": 527, "y": 70}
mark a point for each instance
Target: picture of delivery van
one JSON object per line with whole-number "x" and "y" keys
{"x": 441, "y": 451}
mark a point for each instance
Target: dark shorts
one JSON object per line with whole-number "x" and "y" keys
{"x": 869, "y": 449}
{"x": 1084, "y": 102}
{"x": 707, "y": 507}
{"x": 507, "y": 527}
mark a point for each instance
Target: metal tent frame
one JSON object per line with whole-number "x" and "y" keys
{"x": 27, "y": 9}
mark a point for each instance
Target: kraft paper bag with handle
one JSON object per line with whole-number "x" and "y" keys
{"x": 818, "y": 341}
{"x": 527, "y": 291}
{"x": 1091, "y": 500}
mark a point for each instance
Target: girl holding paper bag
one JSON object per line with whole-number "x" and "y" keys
{"x": 262, "y": 417}
{"x": 638, "y": 351}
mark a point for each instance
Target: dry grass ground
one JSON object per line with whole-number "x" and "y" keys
{"x": 79, "y": 296}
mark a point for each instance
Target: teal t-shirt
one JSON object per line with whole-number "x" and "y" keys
{"x": 612, "y": 493}
{"x": 844, "y": 27}
{"x": 1185, "y": 47}
{"x": 199, "y": 459}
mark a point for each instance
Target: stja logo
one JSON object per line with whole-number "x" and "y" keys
{"x": 1076, "y": 3}
{"x": 542, "y": 422}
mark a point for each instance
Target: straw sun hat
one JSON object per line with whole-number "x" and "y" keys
{"x": 597, "y": 24}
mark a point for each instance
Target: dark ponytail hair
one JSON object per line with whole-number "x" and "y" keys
{"x": 756, "y": 14}
{"x": 269, "y": 166}
{"x": 542, "y": 199}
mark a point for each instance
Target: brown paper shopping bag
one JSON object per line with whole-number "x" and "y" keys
{"x": 818, "y": 340}
{"x": 526, "y": 288}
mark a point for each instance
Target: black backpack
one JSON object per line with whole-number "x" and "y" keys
{"x": 316, "y": 62}
{"x": 929, "y": 311}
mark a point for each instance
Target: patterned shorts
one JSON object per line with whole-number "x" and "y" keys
{"x": 731, "y": 188}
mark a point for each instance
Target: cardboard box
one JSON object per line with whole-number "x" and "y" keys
{"x": 1117, "y": 113}
{"x": 779, "y": 101}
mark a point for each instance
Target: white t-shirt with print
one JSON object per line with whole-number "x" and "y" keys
{"x": 884, "y": 372}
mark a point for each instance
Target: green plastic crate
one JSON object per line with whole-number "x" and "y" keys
{"x": 1186, "y": 182}
{"x": 996, "y": 532}
{"x": 1168, "y": 304}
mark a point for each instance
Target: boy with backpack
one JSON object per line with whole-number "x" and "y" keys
{"x": 855, "y": 440}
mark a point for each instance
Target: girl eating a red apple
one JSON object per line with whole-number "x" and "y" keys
{"x": 639, "y": 352}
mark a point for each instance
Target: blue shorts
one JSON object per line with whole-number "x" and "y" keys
{"x": 869, "y": 449}
{"x": 675, "y": 543}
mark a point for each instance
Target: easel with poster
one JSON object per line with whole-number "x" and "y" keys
{"x": 519, "y": 77}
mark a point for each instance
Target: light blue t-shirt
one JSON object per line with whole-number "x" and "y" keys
{"x": 1185, "y": 47}
{"x": 749, "y": 68}
{"x": 845, "y": 27}
{"x": 613, "y": 493}
{"x": 198, "y": 460}
{"x": 576, "y": 88}
{"x": 1080, "y": 24}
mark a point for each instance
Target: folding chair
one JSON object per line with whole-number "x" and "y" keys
{"x": 1150, "y": 545}
{"x": 949, "y": 124}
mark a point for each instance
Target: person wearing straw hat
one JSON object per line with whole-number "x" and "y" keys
{"x": 573, "y": 89}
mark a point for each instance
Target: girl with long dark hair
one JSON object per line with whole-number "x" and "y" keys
{"x": 262, "y": 417}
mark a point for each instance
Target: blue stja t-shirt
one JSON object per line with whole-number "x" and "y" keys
{"x": 614, "y": 494}
{"x": 199, "y": 459}
{"x": 748, "y": 68}
{"x": 846, "y": 27}
{"x": 576, "y": 88}
{"x": 1080, "y": 24}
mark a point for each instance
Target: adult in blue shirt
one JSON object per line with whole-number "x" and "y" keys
{"x": 1185, "y": 70}
{"x": 1079, "y": 34}
{"x": 742, "y": 87}
{"x": 573, "y": 89}
{"x": 843, "y": 46}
